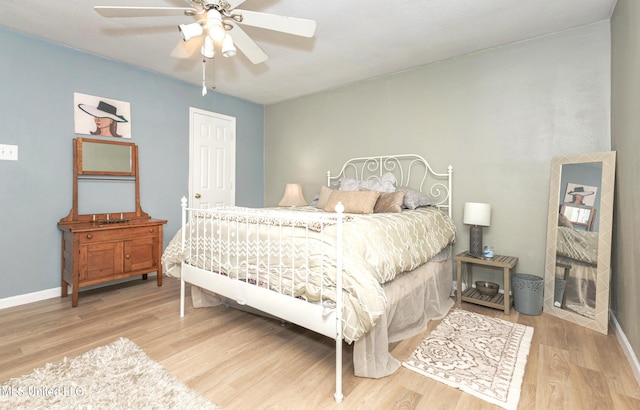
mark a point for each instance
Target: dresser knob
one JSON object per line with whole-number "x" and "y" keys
{"x": 128, "y": 256}
{"x": 89, "y": 236}
{"x": 150, "y": 230}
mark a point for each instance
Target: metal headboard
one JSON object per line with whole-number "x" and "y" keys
{"x": 410, "y": 170}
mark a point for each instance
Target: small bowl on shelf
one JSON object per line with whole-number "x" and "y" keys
{"x": 487, "y": 288}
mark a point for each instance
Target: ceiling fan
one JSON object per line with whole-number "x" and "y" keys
{"x": 219, "y": 21}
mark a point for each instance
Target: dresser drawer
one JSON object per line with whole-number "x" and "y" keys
{"x": 117, "y": 234}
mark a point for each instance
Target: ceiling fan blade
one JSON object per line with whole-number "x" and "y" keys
{"x": 125, "y": 11}
{"x": 290, "y": 25}
{"x": 234, "y": 3}
{"x": 248, "y": 47}
{"x": 187, "y": 49}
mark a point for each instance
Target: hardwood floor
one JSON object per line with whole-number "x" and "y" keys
{"x": 243, "y": 361}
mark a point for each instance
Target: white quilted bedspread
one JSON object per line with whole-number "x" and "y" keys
{"x": 377, "y": 247}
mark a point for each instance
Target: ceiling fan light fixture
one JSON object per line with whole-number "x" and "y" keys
{"x": 214, "y": 25}
{"x": 207, "y": 50}
{"x": 189, "y": 31}
{"x": 228, "y": 49}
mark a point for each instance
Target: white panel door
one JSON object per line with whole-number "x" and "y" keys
{"x": 212, "y": 159}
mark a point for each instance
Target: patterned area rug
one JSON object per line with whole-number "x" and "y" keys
{"x": 477, "y": 354}
{"x": 117, "y": 376}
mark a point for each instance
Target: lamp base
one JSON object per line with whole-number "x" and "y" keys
{"x": 475, "y": 241}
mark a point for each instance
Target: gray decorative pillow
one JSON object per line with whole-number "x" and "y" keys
{"x": 414, "y": 199}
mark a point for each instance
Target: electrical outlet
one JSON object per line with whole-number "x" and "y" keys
{"x": 8, "y": 152}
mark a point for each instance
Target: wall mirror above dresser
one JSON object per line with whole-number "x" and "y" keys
{"x": 106, "y": 184}
{"x": 106, "y": 235}
{"x": 100, "y": 157}
{"x": 578, "y": 254}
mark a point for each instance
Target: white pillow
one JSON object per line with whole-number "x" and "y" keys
{"x": 385, "y": 183}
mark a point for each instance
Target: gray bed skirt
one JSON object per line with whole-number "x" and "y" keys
{"x": 413, "y": 299}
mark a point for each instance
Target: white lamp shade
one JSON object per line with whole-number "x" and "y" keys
{"x": 477, "y": 214}
{"x": 293, "y": 196}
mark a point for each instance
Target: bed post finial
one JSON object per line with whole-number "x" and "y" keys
{"x": 183, "y": 201}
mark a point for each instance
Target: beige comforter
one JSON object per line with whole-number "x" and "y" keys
{"x": 377, "y": 247}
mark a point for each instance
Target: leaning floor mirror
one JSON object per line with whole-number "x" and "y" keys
{"x": 578, "y": 256}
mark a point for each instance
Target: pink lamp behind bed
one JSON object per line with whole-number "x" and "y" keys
{"x": 477, "y": 215}
{"x": 293, "y": 196}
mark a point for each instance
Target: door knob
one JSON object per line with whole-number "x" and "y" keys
{"x": 197, "y": 196}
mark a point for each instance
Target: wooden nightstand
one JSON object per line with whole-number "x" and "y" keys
{"x": 500, "y": 301}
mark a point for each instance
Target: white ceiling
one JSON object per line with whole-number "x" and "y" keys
{"x": 355, "y": 39}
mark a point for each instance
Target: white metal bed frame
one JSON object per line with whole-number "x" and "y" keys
{"x": 410, "y": 170}
{"x": 312, "y": 316}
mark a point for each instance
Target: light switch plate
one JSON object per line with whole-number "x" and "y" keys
{"x": 8, "y": 152}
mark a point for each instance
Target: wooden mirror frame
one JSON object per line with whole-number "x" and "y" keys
{"x": 81, "y": 152}
{"x": 600, "y": 322}
{"x": 79, "y": 174}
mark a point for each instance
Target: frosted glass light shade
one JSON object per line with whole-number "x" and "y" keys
{"x": 190, "y": 31}
{"x": 477, "y": 214}
{"x": 293, "y": 196}
{"x": 228, "y": 49}
{"x": 214, "y": 25}
{"x": 207, "y": 50}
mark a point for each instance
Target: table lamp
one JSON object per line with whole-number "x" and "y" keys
{"x": 477, "y": 215}
{"x": 292, "y": 196}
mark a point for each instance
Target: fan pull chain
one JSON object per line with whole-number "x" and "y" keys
{"x": 213, "y": 85}
{"x": 204, "y": 84}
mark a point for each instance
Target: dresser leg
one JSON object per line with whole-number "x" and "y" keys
{"x": 75, "y": 287}
{"x": 144, "y": 276}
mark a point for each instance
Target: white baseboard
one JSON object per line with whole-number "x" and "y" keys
{"x": 18, "y": 300}
{"x": 29, "y": 298}
{"x": 626, "y": 347}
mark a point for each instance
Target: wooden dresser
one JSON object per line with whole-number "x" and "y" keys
{"x": 94, "y": 252}
{"x": 102, "y": 247}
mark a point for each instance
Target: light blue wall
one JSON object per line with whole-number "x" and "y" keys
{"x": 37, "y": 82}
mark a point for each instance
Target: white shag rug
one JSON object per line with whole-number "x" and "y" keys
{"x": 116, "y": 376}
{"x": 480, "y": 355}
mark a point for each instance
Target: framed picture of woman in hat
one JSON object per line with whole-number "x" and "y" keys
{"x": 579, "y": 194}
{"x": 101, "y": 117}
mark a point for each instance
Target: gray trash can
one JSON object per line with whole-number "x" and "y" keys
{"x": 528, "y": 293}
